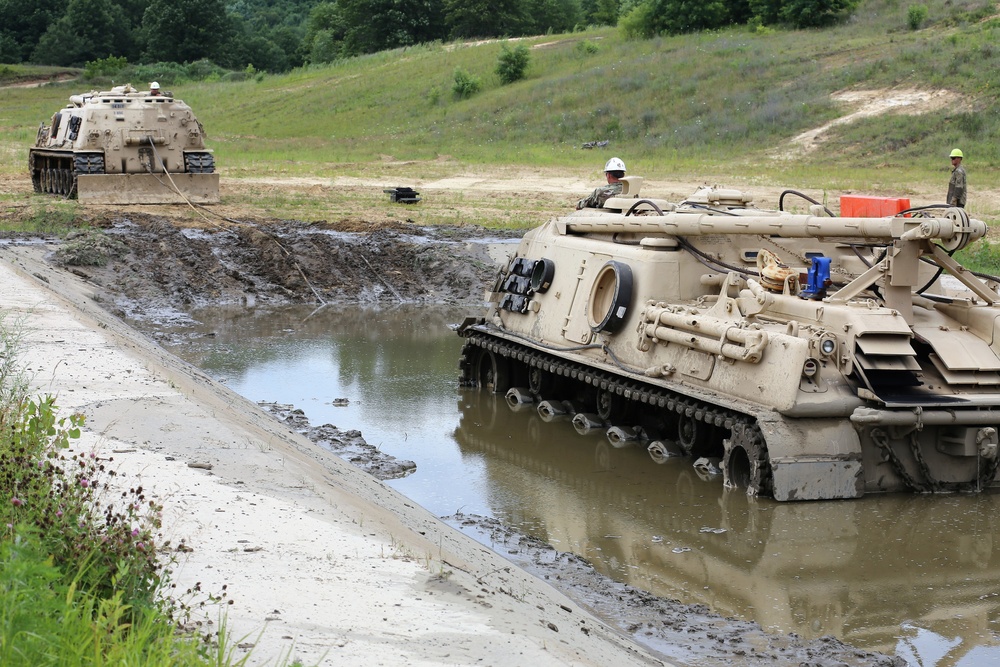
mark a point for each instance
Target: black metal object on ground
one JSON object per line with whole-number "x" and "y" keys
{"x": 403, "y": 195}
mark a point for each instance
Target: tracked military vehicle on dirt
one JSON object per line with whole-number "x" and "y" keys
{"x": 803, "y": 355}
{"x": 123, "y": 146}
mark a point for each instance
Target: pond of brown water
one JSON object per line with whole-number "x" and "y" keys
{"x": 915, "y": 576}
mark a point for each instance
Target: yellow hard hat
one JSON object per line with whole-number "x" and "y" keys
{"x": 957, "y": 153}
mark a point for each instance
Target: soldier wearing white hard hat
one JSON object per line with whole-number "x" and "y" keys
{"x": 614, "y": 171}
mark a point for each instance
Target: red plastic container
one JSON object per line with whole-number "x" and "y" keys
{"x": 858, "y": 206}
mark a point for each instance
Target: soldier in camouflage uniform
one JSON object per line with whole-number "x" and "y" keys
{"x": 614, "y": 171}
{"x": 956, "y": 186}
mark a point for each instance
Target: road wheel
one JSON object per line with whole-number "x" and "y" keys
{"x": 746, "y": 464}
{"x": 494, "y": 372}
{"x": 688, "y": 432}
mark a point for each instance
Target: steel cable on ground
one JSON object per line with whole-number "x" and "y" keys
{"x": 271, "y": 236}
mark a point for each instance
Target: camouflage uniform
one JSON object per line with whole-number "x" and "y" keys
{"x": 956, "y": 187}
{"x": 600, "y": 195}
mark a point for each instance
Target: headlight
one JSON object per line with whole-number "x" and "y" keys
{"x": 828, "y": 346}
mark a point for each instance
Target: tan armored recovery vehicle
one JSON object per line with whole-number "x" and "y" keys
{"x": 806, "y": 356}
{"x": 123, "y": 146}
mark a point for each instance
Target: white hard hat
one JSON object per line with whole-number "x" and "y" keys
{"x": 614, "y": 164}
{"x": 154, "y": 86}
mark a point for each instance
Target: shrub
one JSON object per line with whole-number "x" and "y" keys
{"x": 512, "y": 63}
{"x": 104, "y": 67}
{"x": 915, "y": 16}
{"x": 466, "y": 85}
{"x": 586, "y": 48}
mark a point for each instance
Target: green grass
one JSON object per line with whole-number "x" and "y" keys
{"x": 16, "y": 74}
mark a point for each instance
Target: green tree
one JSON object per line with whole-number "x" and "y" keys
{"x": 738, "y": 11}
{"x": 600, "y": 12}
{"x": 185, "y": 30}
{"x": 673, "y": 17}
{"x": 486, "y": 18}
{"x": 289, "y": 39}
{"x": 638, "y": 22}
{"x": 325, "y": 31}
{"x": 553, "y": 16}
{"x": 90, "y": 29}
{"x": 133, "y": 10}
{"x": 376, "y": 25}
{"x": 768, "y": 12}
{"x": 24, "y": 23}
{"x": 816, "y": 13}
{"x": 255, "y": 49}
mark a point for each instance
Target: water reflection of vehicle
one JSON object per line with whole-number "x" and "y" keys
{"x": 856, "y": 570}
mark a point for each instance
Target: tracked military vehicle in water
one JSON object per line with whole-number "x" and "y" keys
{"x": 123, "y": 146}
{"x": 806, "y": 355}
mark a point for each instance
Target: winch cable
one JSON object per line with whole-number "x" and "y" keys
{"x": 285, "y": 250}
{"x": 702, "y": 257}
{"x": 781, "y": 201}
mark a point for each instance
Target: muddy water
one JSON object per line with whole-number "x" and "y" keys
{"x": 918, "y": 576}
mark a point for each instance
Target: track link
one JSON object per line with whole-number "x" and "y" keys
{"x": 632, "y": 390}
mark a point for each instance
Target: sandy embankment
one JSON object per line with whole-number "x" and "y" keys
{"x": 324, "y": 563}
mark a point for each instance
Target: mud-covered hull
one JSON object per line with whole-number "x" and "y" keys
{"x": 625, "y": 324}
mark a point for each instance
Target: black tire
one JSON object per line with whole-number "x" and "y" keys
{"x": 610, "y": 297}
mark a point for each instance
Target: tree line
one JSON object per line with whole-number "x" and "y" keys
{"x": 277, "y": 35}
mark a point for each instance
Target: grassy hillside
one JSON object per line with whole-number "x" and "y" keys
{"x": 721, "y": 106}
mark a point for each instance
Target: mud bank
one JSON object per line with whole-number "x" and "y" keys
{"x": 156, "y": 270}
{"x": 152, "y": 268}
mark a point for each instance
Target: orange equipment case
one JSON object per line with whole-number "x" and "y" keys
{"x": 858, "y": 206}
